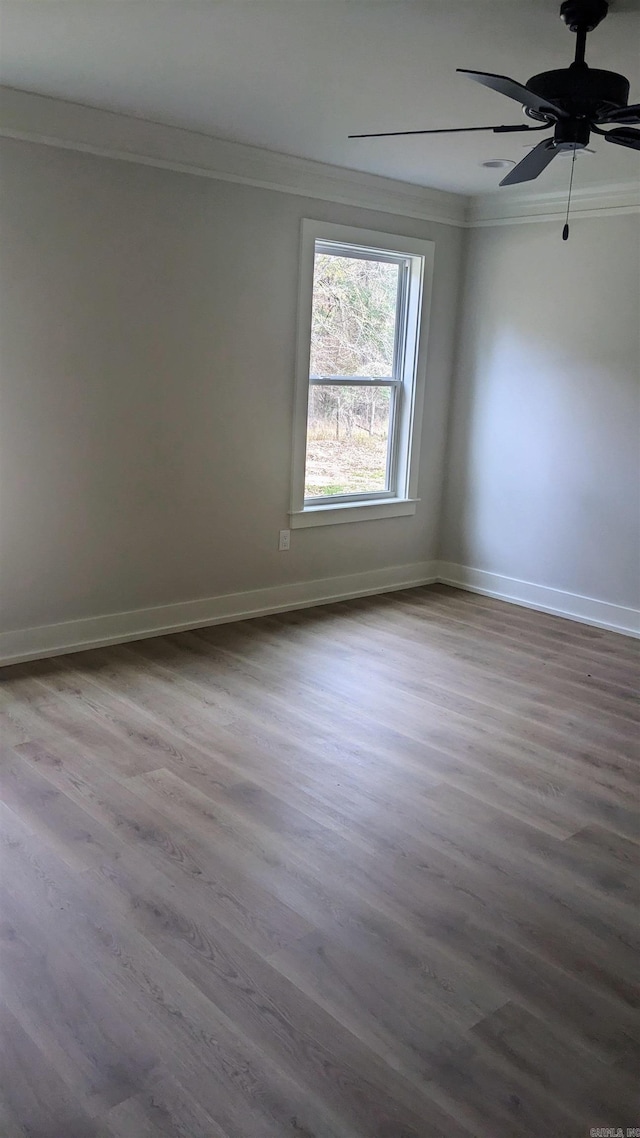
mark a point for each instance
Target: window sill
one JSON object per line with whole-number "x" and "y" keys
{"x": 352, "y": 512}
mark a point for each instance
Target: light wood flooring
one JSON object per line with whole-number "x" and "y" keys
{"x": 361, "y": 871}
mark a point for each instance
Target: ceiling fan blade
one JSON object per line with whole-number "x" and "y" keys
{"x": 450, "y": 130}
{"x": 623, "y": 115}
{"x": 624, "y": 136}
{"x": 532, "y": 164}
{"x": 516, "y": 91}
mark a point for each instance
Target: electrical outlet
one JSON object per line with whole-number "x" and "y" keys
{"x": 284, "y": 541}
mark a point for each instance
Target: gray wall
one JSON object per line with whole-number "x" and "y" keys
{"x": 543, "y": 479}
{"x": 147, "y": 329}
{"x": 147, "y": 364}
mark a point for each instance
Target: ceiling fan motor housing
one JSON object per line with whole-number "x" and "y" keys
{"x": 581, "y": 91}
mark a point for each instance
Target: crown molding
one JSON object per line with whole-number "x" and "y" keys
{"x": 515, "y": 207}
{"x": 56, "y": 122}
{"x": 90, "y": 130}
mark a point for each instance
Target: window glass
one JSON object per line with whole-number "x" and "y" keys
{"x": 347, "y": 439}
{"x": 353, "y": 317}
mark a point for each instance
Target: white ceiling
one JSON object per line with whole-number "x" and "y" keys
{"x": 297, "y": 76}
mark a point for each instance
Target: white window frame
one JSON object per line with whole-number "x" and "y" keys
{"x": 409, "y": 377}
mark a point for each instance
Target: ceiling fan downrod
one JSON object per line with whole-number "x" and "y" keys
{"x": 581, "y": 17}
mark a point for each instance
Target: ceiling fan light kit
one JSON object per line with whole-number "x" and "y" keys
{"x": 574, "y": 101}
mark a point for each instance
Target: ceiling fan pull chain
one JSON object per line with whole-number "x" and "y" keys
{"x": 565, "y": 231}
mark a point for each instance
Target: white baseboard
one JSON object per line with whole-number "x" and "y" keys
{"x": 117, "y": 628}
{"x": 573, "y": 606}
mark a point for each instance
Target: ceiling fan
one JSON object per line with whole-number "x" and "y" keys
{"x": 574, "y": 100}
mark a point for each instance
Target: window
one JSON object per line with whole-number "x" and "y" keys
{"x": 360, "y": 374}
